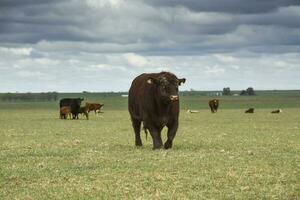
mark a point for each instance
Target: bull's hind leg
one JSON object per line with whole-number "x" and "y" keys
{"x": 136, "y": 124}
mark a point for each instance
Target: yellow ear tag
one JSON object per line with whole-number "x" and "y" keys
{"x": 149, "y": 81}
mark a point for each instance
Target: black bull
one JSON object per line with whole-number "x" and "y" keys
{"x": 153, "y": 99}
{"x": 73, "y": 103}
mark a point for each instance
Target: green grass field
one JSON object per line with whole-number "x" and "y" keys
{"x": 228, "y": 155}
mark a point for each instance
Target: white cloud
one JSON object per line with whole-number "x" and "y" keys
{"x": 16, "y": 51}
{"x": 103, "y": 67}
{"x": 29, "y": 74}
{"x": 94, "y": 72}
{"x": 236, "y": 67}
{"x": 136, "y": 60}
{"x": 214, "y": 71}
{"x": 104, "y": 3}
{"x": 226, "y": 58}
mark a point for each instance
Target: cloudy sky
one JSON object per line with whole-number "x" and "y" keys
{"x": 101, "y": 45}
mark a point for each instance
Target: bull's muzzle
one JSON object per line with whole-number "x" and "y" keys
{"x": 174, "y": 98}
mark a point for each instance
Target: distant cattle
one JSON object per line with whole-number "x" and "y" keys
{"x": 64, "y": 112}
{"x": 83, "y": 110}
{"x": 250, "y": 110}
{"x": 276, "y": 111}
{"x": 213, "y": 104}
{"x": 153, "y": 99}
{"x": 73, "y": 103}
{"x": 96, "y": 107}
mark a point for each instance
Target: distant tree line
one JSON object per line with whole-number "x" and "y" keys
{"x": 44, "y": 96}
{"x": 249, "y": 91}
{"x": 226, "y": 91}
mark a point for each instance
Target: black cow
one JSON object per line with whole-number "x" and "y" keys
{"x": 74, "y": 104}
{"x": 153, "y": 99}
{"x": 250, "y": 110}
{"x": 213, "y": 104}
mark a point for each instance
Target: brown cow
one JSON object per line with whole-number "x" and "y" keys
{"x": 213, "y": 104}
{"x": 64, "y": 112}
{"x": 94, "y": 106}
{"x": 153, "y": 99}
{"x": 84, "y": 110}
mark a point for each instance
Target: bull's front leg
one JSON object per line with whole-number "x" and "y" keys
{"x": 156, "y": 137}
{"x": 172, "y": 129}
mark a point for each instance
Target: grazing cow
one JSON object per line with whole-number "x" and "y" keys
{"x": 64, "y": 112}
{"x": 74, "y": 103}
{"x": 213, "y": 104}
{"x": 84, "y": 110}
{"x": 153, "y": 99}
{"x": 94, "y": 106}
{"x": 277, "y": 111}
{"x": 250, "y": 110}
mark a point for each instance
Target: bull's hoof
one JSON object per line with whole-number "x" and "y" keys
{"x": 138, "y": 144}
{"x": 168, "y": 145}
{"x": 157, "y": 148}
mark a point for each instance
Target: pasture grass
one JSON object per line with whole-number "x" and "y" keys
{"x": 227, "y": 155}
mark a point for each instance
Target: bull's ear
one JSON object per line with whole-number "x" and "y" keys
{"x": 180, "y": 81}
{"x": 152, "y": 80}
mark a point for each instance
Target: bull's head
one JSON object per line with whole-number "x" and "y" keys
{"x": 216, "y": 102}
{"x": 167, "y": 87}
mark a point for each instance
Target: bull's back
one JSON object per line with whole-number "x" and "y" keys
{"x": 136, "y": 96}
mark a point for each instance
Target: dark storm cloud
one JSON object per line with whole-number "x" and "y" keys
{"x": 31, "y": 21}
{"x": 195, "y": 27}
{"x": 228, "y": 6}
{"x": 22, "y": 3}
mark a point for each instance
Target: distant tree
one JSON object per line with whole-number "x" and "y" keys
{"x": 49, "y": 96}
{"x": 250, "y": 91}
{"x": 243, "y": 92}
{"x": 226, "y": 91}
{"x": 55, "y": 96}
